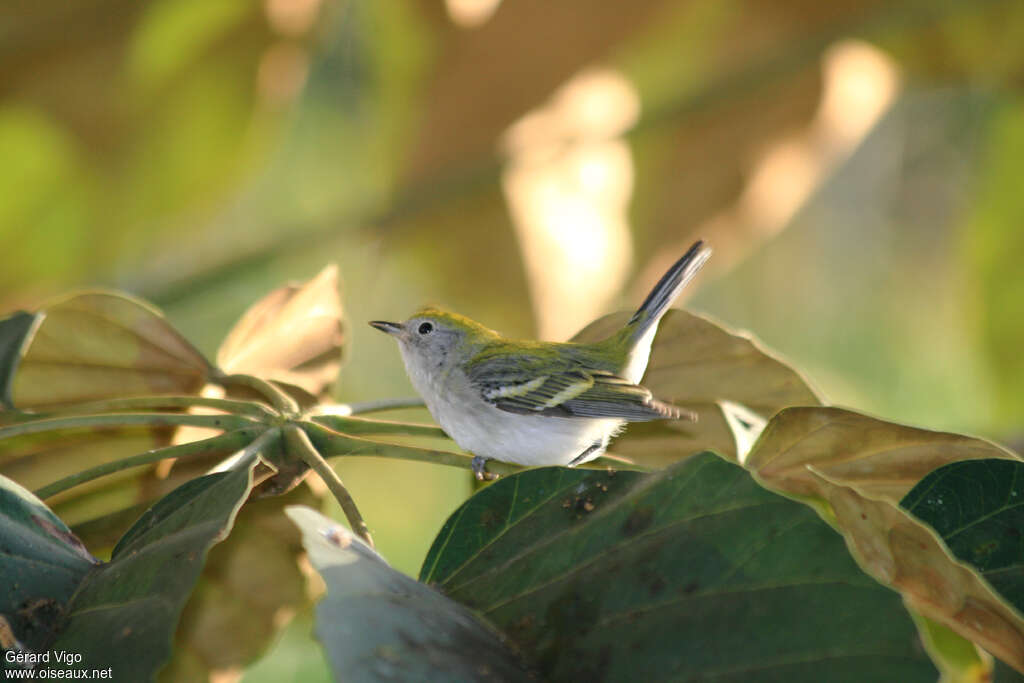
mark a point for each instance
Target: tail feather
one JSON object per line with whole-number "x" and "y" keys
{"x": 668, "y": 288}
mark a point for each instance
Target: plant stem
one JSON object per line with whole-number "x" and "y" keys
{"x": 222, "y": 443}
{"x": 247, "y": 408}
{"x": 362, "y": 425}
{"x": 277, "y": 398}
{"x": 298, "y": 442}
{"x": 347, "y": 409}
{"x": 333, "y": 443}
{"x": 223, "y": 422}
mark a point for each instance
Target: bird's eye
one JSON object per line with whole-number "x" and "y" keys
{"x": 425, "y": 328}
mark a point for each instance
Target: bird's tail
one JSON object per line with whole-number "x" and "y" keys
{"x": 644, "y": 322}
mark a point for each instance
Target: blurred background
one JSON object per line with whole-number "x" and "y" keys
{"x": 855, "y": 164}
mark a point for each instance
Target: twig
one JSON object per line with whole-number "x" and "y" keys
{"x": 223, "y": 443}
{"x": 298, "y": 442}
{"x": 281, "y": 401}
{"x": 223, "y": 422}
{"x": 247, "y": 408}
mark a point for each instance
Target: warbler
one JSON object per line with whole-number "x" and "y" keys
{"x": 532, "y": 402}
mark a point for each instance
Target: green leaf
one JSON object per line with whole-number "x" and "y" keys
{"x": 13, "y": 331}
{"x": 249, "y": 589}
{"x": 376, "y": 623}
{"x": 693, "y": 572}
{"x": 41, "y": 561}
{"x": 977, "y": 507}
{"x": 124, "y": 613}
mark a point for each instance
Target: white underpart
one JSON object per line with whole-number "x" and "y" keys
{"x": 487, "y": 431}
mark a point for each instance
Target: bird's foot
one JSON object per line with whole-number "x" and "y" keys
{"x": 480, "y": 469}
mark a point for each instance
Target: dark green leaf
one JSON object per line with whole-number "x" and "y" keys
{"x": 378, "y": 624}
{"x": 125, "y": 612}
{"x": 13, "y": 330}
{"x": 977, "y": 507}
{"x": 41, "y": 562}
{"x": 693, "y": 572}
{"x": 249, "y": 588}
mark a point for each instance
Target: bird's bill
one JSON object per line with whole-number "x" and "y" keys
{"x": 384, "y": 326}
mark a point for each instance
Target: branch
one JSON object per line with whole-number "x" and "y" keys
{"x": 222, "y": 422}
{"x": 247, "y": 408}
{"x": 347, "y": 409}
{"x": 223, "y": 443}
{"x": 277, "y": 398}
{"x": 298, "y": 442}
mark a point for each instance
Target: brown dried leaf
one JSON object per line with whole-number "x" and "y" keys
{"x": 696, "y": 364}
{"x": 103, "y": 345}
{"x": 862, "y": 467}
{"x": 881, "y": 459}
{"x": 293, "y": 335}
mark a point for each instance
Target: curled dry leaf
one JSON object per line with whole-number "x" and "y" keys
{"x": 102, "y": 345}
{"x": 697, "y": 363}
{"x": 862, "y": 467}
{"x": 881, "y": 459}
{"x": 294, "y": 335}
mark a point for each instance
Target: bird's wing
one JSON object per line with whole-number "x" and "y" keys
{"x": 566, "y": 392}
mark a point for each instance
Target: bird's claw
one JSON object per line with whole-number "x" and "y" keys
{"x": 480, "y": 469}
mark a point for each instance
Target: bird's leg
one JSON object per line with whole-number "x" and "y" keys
{"x": 590, "y": 449}
{"x": 480, "y": 469}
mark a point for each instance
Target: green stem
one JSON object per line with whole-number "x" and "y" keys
{"x": 222, "y": 422}
{"x": 346, "y": 409}
{"x": 362, "y": 425}
{"x": 223, "y": 443}
{"x": 281, "y": 402}
{"x": 247, "y": 408}
{"x": 331, "y": 443}
{"x": 298, "y": 442}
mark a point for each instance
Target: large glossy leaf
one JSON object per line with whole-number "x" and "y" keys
{"x": 691, "y": 573}
{"x": 697, "y": 364}
{"x": 977, "y": 507}
{"x": 378, "y": 624}
{"x": 293, "y": 335}
{"x": 855, "y": 469}
{"x": 42, "y": 563}
{"x": 99, "y": 345}
{"x": 124, "y": 613}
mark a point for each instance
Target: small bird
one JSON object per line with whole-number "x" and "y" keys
{"x": 532, "y": 402}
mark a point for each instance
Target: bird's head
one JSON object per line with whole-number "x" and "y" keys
{"x": 433, "y": 339}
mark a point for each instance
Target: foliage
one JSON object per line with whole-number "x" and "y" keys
{"x": 721, "y": 561}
